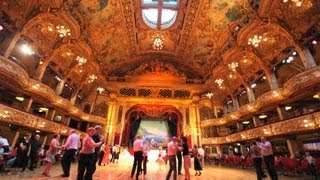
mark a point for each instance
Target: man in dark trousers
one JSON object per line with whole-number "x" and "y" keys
{"x": 35, "y": 145}
{"x": 138, "y": 152}
{"x": 97, "y": 137}
{"x": 71, "y": 146}
{"x": 179, "y": 157}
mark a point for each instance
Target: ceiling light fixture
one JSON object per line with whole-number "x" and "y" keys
{"x": 246, "y": 122}
{"x": 209, "y": 95}
{"x": 233, "y": 66}
{"x": 20, "y": 98}
{"x": 219, "y": 82}
{"x": 92, "y": 77}
{"x": 26, "y": 49}
{"x": 157, "y": 41}
{"x": 255, "y": 40}
{"x": 262, "y": 116}
{"x": 1, "y": 27}
{"x": 63, "y": 31}
{"x": 81, "y": 60}
{"x": 287, "y": 108}
{"x": 298, "y": 3}
{"x": 100, "y": 89}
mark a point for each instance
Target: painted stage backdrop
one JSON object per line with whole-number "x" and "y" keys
{"x": 154, "y": 131}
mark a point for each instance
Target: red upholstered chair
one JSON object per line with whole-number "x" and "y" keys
{"x": 249, "y": 161}
{"x": 304, "y": 166}
{"x": 318, "y": 165}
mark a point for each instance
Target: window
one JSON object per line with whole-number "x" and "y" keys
{"x": 159, "y": 14}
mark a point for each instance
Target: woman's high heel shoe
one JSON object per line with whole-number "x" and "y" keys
{"x": 199, "y": 173}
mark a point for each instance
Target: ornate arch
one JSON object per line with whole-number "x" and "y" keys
{"x": 156, "y": 111}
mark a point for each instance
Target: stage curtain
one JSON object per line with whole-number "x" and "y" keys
{"x": 134, "y": 129}
{"x": 172, "y": 127}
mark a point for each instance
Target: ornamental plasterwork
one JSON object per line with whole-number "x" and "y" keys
{"x": 156, "y": 68}
{"x": 292, "y": 86}
{"x": 300, "y": 124}
{"x": 15, "y": 74}
{"x": 12, "y": 116}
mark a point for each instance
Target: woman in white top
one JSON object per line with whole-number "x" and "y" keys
{"x": 51, "y": 153}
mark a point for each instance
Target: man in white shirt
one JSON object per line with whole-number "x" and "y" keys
{"x": 201, "y": 154}
{"x": 71, "y": 146}
{"x": 5, "y": 144}
{"x": 267, "y": 153}
{"x": 138, "y": 150}
{"x": 172, "y": 150}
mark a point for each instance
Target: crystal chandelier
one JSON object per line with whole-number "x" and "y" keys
{"x": 255, "y": 40}
{"x": 63, "y": 31}
{"x": 233, "y": 66}
{"x": 219, "y": 82}
{"x": 298, "y": 3}
{"x": 92, "y": 77}
{"x": 81, "y": 60}
{"x": 209, "y": 95}
{"x": 157, "y": 41}
{"x": 100, "y": 89}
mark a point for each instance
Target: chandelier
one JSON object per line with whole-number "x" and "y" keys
{"x": 157, "y": 41}
{"x": 298, "y": 3}
{"x": 209, "y": 95}
{"x": 219, "y": 82}
{"x": 255, "y": 40}
{"x": 233, "y": 66}
{"x": 92, "y": 77}
{"x": 63, "y": 31}
{"x": 100, "y": 89}
{"x": 81, "y": 60}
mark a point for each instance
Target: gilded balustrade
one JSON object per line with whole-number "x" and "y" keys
{"x": 303, "y": 123}
{"x": 293, "y": 85}
{"x": 13, "y": 116}
{"x": 16, "y": 77}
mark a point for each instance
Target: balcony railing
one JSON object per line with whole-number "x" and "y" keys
{"x": 16, "y": 77}
{"x": 10, "y": 115}
{"x": 290, "y": 126}
{"x": 294, "y": 85}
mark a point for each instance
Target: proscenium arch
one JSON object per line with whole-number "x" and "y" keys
{"x": 151, "y": 110}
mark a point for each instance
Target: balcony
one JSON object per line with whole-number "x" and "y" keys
{"x": 13, "y": 116}
{"x": 300, "y": 124}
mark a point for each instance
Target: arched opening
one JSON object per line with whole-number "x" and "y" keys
{"x": 156, "y": 123}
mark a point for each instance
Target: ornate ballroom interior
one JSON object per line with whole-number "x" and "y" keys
{"x": 222, "y": 72}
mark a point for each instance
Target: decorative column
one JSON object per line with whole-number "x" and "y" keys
{"x": 12, "y": 44}
{"x": 219, "y": 149}
{"x": 235, "y": 103}
{"x": 243, "y": 149}
{"x": 250, "y": 94}
{"x": 114, "y": 122}
{"x": 256, "y": 121}
{"x": 28, "y": 105}
{"x": 272, "y": 80}
{"x": 239, "y": 126}
{"x": 15, "y": 139}
{"x": 74, "y": 96}
{"x": 123, "y": 121}
{"x": 41, "y": 70}
{"x": 215, "y": 111}
{"x": 60, "y": 86}
{"x": 290, "y": 148}
{"x": 67, "y": 121}
{"x": 44, "y": 141}
{"x": 306, "y": 57}
{"x": 52, "y": 114}
{"x": 280, "y": 113}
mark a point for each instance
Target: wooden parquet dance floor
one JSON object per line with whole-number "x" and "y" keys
{"x": 121, "y": 171}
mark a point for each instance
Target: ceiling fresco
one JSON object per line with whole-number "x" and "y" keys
{"x": 205, "y": 38}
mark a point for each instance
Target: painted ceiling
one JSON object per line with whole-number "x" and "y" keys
{"x": 206, "y": 37}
